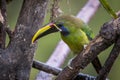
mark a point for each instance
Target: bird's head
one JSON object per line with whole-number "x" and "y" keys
{"x": 63, "y": 24}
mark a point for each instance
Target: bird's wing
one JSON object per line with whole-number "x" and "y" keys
{"x": 88, "y": 31}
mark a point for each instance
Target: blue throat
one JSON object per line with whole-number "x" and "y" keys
{"x": 64, "y": 31}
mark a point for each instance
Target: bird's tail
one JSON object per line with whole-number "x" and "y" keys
{"x": 96, "y": 64}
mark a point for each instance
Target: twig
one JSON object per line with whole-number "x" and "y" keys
{"x": 108, "y": 8}
{"x": 107, "y": 37}
{"x": 56, "y": 59}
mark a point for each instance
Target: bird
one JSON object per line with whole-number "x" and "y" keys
{"x": 74, "y": 32}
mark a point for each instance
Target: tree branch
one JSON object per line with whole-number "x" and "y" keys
{"x": 105, "y": 38}
{"x": 44, "y": 67}
{"x": 56, "y": 60}
{"x": 110, "y": 61}
{"x": 52, "y": 70}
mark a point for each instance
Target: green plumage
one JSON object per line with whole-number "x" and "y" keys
{"x": 79, "y": 35}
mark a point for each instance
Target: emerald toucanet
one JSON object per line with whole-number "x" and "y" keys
{"x": 74, "y": 32}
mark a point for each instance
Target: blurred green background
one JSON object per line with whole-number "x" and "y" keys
{"x": 47, "y": 44}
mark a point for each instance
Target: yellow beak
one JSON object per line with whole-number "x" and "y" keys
{"x": 50, "y": 28}
{"x": 40, "y": 31}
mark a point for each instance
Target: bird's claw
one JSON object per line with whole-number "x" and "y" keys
{"x": 69, "y": 64}
{"x": 71, "y": 68}
{"x": 85, "y": 46}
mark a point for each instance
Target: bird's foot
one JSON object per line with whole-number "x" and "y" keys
{"x": 69, "y": 64}
{"x": 85, "y": 46}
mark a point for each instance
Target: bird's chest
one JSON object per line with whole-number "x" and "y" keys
{"x": 76, "y": 41}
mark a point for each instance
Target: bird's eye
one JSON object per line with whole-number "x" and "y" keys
{"x": 59, "y": 25}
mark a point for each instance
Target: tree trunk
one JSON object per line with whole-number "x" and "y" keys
{"x": 17, "y": 58}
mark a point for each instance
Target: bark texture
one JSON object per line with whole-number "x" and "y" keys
{"x": 16, "y": 59}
